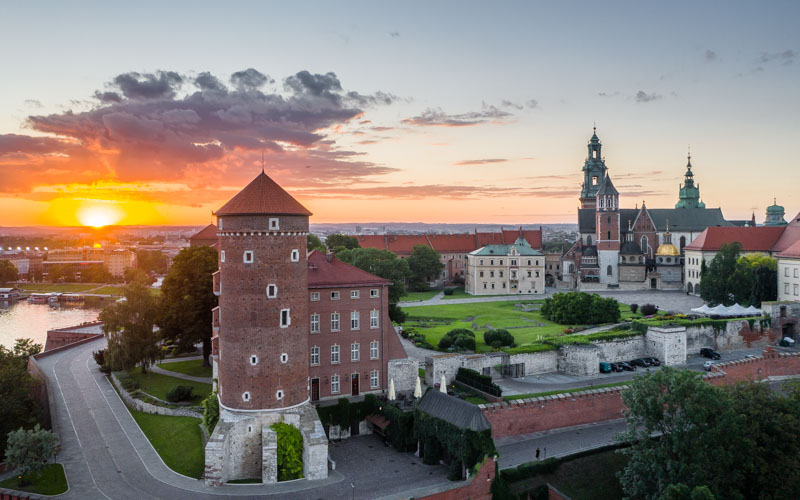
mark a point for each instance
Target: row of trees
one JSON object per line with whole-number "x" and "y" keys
{"x": 8, "y": 272}
{"x": 182, "y": 313}
{"x": 580, "y": 308}
{"x": 731, "y": 278}
{"x": 17, "y": 407}
{"x": 690, "y": 439}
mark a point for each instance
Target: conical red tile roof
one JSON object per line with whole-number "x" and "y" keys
{"x": 263, "y": 196}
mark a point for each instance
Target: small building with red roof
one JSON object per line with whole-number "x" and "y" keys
{"x": 205, "y": 237}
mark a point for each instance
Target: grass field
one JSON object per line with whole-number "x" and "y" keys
{"x": 419, "y": 296}
{"x": 158, "y": 385}
{"x": 50, "y": 481}
{"x": 178, "y": 440}
{"x": 110, "y": 290}
{"x": 56, "y": 287}
{"x": 193, "y": 367}
{"x": 459, "y": 293}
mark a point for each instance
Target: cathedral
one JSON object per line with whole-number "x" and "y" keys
{"x": 632, "y": 248}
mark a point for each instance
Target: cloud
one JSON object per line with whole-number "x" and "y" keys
{"x": 785, "y": 57}
{"x": 710, "y": 55}
{"x": 394, "y": 34}
{"x": 530, "y": 104}
{"x": 481, "y": 162}
{"x": 438, "y": 118}
{"x": 194, "y": 130}
{"x": 608, "y": 94}
{"x": 642, "y": 96}
{"x": 33, "y": 103}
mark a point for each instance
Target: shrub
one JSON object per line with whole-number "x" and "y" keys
{"x": 290, "y": 451}
{"x": 99, "y": 357}
{"x": 210, "y": 412}
{"x": 127, "y": 381}
{"x": 478, "y": 381}
{"x": 419, "y": 286}
{"x": 649, "y": 309}
{"x": 180, "y": 393}
{"x": 461, "y": 339}
{"x": 449, "y": 291}
{"x": 500, "y": 337}
{"x": 634, "y": 308}
{"x": 445, "y": 343}
{"x": 580, "y": 308}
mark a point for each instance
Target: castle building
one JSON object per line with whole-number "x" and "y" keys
{"x": 639, "y": 248}
{"x": 789, "y": 273}
{"x": 505, "y": 269}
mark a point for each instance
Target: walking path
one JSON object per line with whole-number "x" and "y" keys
{"x": 162, "y": 371}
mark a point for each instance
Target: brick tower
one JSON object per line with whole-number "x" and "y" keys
{"x": 608, "y": 230}
{"x": 261, "y": 358}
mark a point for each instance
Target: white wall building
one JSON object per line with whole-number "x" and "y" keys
{"x": 505, "y": 270}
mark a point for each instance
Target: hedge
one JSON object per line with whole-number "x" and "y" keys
{"x": 478, "y": 381}
{"x": 344, "y": 413}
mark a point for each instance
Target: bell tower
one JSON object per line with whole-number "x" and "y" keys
{"x": 608, "y": 230}
{"x": 594, "y": 170}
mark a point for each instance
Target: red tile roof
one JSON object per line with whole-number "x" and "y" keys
{"x": 329, "y": 273}
{"x": 405, "y": 243}
{"x": 793, "y": 252}
{"x": 448, "y": 243}
{"x": 207, "y": 233}
{"x": 532, "y": 236}
{"x": 263, "y": 196}
{"x": 372, "y": 241}
{"x": 752, "y": 239}
{"x": 484, "y": 239}
{"x": 452, "y": 243}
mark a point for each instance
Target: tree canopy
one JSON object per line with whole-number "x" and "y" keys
{"x": 18, "y": 409}
{"x": 8, "y": 271}
{"x": 128, "y": 326}
{"x": 340, "y": 242}
{"x": 425, "y": 264}
{"x": 686, "y": 434}
{"x": 385, "y": 264}
{"x": 154, "y": 261}
{"x": 314, "y": 243}
{"x": 29, "y": 450}
{"x": 580, "y": 308}
{"x": 188, "y": 298}
{"x": 731, "y": 278}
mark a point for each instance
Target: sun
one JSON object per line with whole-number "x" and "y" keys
{"x": 98, "y": 216}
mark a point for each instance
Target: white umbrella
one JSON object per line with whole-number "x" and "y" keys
{"x": 443, "y": 384}
{"x": 392, "y": 395}
{"x": 418, "y": 389}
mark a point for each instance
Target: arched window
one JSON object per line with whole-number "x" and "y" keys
{"x": 689, "y": 288}
{"x": 623, "y": 258}
{"x": 683, "y": 243}
{"x": 589, "y": 240}
{"x": 644, "y": 245}
{"x": 609, "y": 271}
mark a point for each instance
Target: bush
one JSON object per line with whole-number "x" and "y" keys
{"x": 634, "y": 308}
{"x": 649, "y": 309}
{"x": 449, "y": 291}
{"x": 180, "y": 393}
{"x": 460, "y": 339}
{"x": 498, "y": 338}
{"x": 210, "y": 412}
{"x": 99, "y": 357}
{"x": 419, "y": 286}
{"x": 580, "y": 308}
{"x": 478, "y": 381}
{"x": 127, "y": 381}
{"x": 290, "y": 451}
{"x": 396, "y": 314}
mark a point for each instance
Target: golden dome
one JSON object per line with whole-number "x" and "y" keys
{"x": 667, "y": 249}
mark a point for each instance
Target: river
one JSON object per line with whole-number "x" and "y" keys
{"x": 24, "y": 320}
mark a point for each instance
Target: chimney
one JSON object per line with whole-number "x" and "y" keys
{"x": 329, "y": 256}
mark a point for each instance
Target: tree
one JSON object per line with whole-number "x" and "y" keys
{"x": 28, "y": 451}
{"x": 314, "y": 243}
{"x": 8, "y": 271}
{"x": 385, "y": 264}
{"x": 188, "y": 298}
{"x": 580, "y": 308}
{"x": 152, "y": 261}
{"x": 18, "y": 408}
{"x": 715, "y": 280}
{"x": 128, "y": 326}
{"x": 134, "y": 274}
{"x": 340, "y": 241}
{"x": 754, "y": 280}
{"x": 424, "y": 263}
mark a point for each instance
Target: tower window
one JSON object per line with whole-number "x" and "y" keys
{"x": 245, "y": 396}
{"x": 248, "y": 257}
{"x": 222, "y": 256}
{"x": 284, "y": 358}
{"x": 286, "y": 320}
{"x": 272, "y": 291}
{"x": 295, "y": 255}
{"x": 279, "y": 394}
{"x": 254, "y": 360}
{"x": 594, "y": 180}
{"x": 609, "y": 235}
{"x": 274, "y": 224}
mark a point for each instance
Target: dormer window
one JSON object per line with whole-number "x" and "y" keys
{"x": 274, "y": 225}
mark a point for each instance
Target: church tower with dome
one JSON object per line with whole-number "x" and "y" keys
{"x": 688, "y": 193}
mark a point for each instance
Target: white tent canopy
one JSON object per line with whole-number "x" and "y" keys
{"x": 734, "y": 310}
{"x": 754, "y": 311}
{"x": 702, "y": 309}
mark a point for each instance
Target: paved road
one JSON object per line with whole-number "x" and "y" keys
{"x": 162, "y": 371}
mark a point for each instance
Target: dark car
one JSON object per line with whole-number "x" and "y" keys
{"x": 625, "y": 366}
{"x": 605, "y": 367}
{"x": 654, "y": 361}
{"x": 639, "y": 362}
{"x": 707, "y": 352}
{"x": 616, "y": 367}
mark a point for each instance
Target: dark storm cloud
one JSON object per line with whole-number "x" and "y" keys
{"x": 14, "y": 143}
{"x": 207, "y": 81}
{"x": 250, "y": 79}
{"x": 642, "y": 96}
{"x": 156, "y": 85}
{"x": 710, "y": 55}
{"x": 438, "y": 118}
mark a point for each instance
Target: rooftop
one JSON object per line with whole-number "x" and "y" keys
{"x": 456, "y": 411}
{"x": 327, "y": 271}
{"x": 262, "y": 196}
{"x": 752, "y": 239}
{"x": 207, "y": 233}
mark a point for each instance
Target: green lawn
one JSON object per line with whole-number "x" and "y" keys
{"x": 193, "y": 367}
{"x": 562, "y": 391}
{"x": 178, "y": 440}
{"x": 459, "y": 293}
{"x": 158, "y": 385}
{"x": 419, "y": 296}
{"x": 435, "y": 321}
{"x": 110, "y": 290}
{"x": 50, "y": 481}
{"x": 56, "y": 287}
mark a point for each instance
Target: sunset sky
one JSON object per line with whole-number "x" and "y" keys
{"x": 158, "y": 112}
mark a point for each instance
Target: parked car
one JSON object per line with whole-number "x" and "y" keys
{"x": 707, "y": 365}
{"x": 707, "y": 352}
{"x": 627, "y": 367}
{"x": 639, "y": 362}
{"x": 616, "y": 367}
{"x": 605, "y": 367}
{"x": 654, "y": 361}
{"x": 787, "y": 342}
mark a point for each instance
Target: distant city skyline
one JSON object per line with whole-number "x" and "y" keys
{"x": 446, "y": 112}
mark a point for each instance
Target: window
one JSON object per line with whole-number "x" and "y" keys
{"x": 374, "y": 293}
{"x": 315, "y": 323}
{"x": 609, "y": 271}
{"x": 537, "y": 262}
{"x": 222, "y": 256}
{"x": 374, "y": 381}
{"x": 334, "y": 322}
{"x": 796, "y": 272}
{"x": 513, "y": 262}
{"x": 219, "y": 224}
{"x": 481, "y": 261}
{"x": 608, "y": 220}
{"x": 501, "y": 262}
{"x": 786, "y": 288}
{"x": 373, "y": 349}
{"x": 286, "y": 320}
{"x": 335, "y": 354}
{"x": 491, "y": 274}
{"x": 245, "y": 396}
{"x": 529, "y": 274}
{"x": 274, "y": 224}
{"x": 354, "y": 294}
{"x": 315, "y": 296}
{"x": 796, "y": 287}
{"x": 374, "y": 318}
{"x": 645, "y": 246}
{"x": 279, "y": 394}
{"x": 334, "y": 384}
{"x": 254, "y": 360}
{"x": 529, "y": 262}
{"x": 334, "y": 295}
{"x": 354, "y": 323}
{"x": 284, "y": 358}
{"x": 247, "y": 258}
{"x": 481, "y": 274}
{"x": 501, "y": 274}
{"x": 492, "y": 286}
{"x": 484, "y": 285}
{"x": 609, "y": 235}
{"x": 315, "y": 356}
{"x": 491, "y": 262}
{"x": 272, "y": 291}
{"x": 295, "y": 255}
{"x": 537, "y": 274}
{"x": 355, "y": 351}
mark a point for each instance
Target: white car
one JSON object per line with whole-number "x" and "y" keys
{"x": 707, "y": 365}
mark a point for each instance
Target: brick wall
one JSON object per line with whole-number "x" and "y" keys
{"x": 56, "y": 339}
{"x": 477, "y": 488}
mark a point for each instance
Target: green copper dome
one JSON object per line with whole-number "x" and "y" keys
{"x": 775, "y": 215}
{"x": 689, "y": 194}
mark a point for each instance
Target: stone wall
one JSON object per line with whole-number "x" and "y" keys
{"x": 579, "y": 360}
{"x": 621, "y": 349}
{"x": 536, "y": 362}
{"x": 450, "y": 363}
{"x": 478, "y": 487}
{"x": 139, "y": 405}
{"x": 737, "y": 335}
{"x": 667, "y": 344}
{"x": 404, "y": 372}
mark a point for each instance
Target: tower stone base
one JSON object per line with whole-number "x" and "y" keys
{"x": 244, "y": 447}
